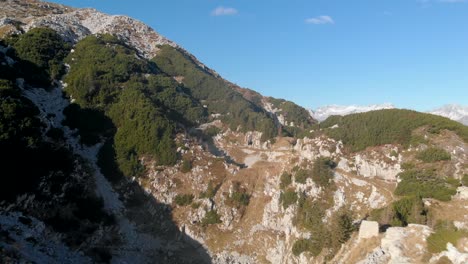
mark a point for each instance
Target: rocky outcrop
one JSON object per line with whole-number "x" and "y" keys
{"x": 77, "y": 24}
{"x": 368, "y": 229}
{"x": 453, "y": 254}
{"x": 400, "y": 245}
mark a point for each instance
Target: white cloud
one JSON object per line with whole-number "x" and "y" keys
{"x": 224, "y": 11}
{"x": 320, "y": 20}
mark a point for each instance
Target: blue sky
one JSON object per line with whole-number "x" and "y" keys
{"x": 412, "y": 53}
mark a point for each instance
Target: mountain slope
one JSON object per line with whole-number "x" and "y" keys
{"x": 387, "y": 127}
{"x": 119, "y": 146}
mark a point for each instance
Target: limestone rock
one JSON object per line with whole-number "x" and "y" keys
{"x": 368, "y": 229}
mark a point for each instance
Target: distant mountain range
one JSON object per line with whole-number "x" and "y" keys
{"x": 453, "y": 111}
{"x": 324, "y": 112}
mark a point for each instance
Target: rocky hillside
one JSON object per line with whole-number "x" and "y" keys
{"x": 119, "y": 146}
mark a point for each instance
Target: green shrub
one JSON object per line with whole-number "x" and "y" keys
{"x": 288, "y": 198}
{"x": 99, "y": 67}
{"x": 445, "y": 232}
{"x": 389, "y": 126}
{"x": 417, "y": 140}
{"x": 424, "y": 184}
{"x": 314, "y": 246}
{"x": 211, "y": 218}
{"x": 211, "y": 131}
{"x": 408, "y": 210}
{"x": 196, "y": 205}
{"x": 183, "y": 199}
{"x": 92, "y": 124}
{"x": 455, "y": 183}
{"x": 142, "y": 130}
{"x": 186, "y": 166}
{"x": 302, "y": 175}
{"x": 322, "y": 172}
{"x": 464, "y": 180}
{"x": 285, "y": 180}
{"x": 341, "y": 227}
{"x": 407, "y": 166}
{"x": 309, "y": 215}
{"x": 210, "y": 191}
{"x": 239, "y": 196}
{"x": 41, "y": 52}
{"x": 433, "y": 155}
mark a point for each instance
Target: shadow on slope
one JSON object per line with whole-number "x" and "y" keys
{"x": 151, "y": 218}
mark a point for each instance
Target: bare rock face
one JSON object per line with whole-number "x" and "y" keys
{"x": 77, "y": 24}
{"x": 368, "y": 229}
{"x": 370, "y": 167}
{"x": 400, "y": 245}
{"x": 462, "y": 193}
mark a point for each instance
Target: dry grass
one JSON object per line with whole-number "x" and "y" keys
{"x": 354, "y": 252}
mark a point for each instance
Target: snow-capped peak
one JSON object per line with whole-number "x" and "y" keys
{"x": 324, "y": 112}
{"x": 455, "y": 112}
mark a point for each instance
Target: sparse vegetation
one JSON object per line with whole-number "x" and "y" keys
{"x": 464, "y": 180}
{"x": 239, "y": 196}
{"x": 210, "y": 191}
{"x": 341, "y": 227}
{"x": 407, "y": 166}
{"x": 285, "y": 180}
{"x": 445, "y": 232}
{"x": 186, "y": 166}
{"x": 196, "y": 205}
{"x": 322, "y": 172}
{"x": 424, "y": 184}
{"x": 183, "y": 199}
{"x": 309, "y": 216}
{"x": 302, "y": 175}
{"x": 312, "y": 245}
{"x": 408, "y": 210}
{"x": 433, "y": 155}
{"x": 288, "y": 198}
{"x": 211, "y": 218}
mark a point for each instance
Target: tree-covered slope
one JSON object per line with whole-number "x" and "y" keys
{"x": 293, "y": 118}
{"x": 36, "y": 164}
{"x": 391, "y": 126}
{"x": 107, "y": 78}
{"x": 215, "y": 93}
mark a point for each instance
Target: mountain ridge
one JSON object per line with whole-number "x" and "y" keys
{"x": 455, "y": 112}
{"x": 158, "y": 159}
